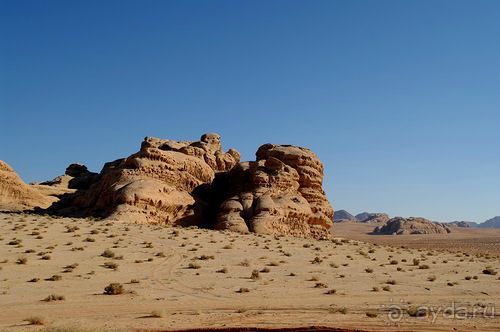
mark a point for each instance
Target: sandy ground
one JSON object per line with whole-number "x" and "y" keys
{"x": 194, "y": 278}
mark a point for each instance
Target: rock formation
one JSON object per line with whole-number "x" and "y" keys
{"x": 375, "y": 218}
{"x": 195, "y": 183}
{"x": 412, "y": 225}
{"x": 463, "y": 224}
{"x": 343, "y": 215}
{"x": 280, "y": 193}
{"x": 17, "y": 195}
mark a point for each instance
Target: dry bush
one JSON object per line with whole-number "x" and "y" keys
{"x": 111, "y": 265}
{"x": 114, "y": 288}
{"x": 36, "y": 320}
{"x": 108, "y": 253}
{"x": 243, "y": 290}
{"x": 54, "y": 297}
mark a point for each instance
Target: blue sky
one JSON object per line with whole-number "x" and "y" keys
{"x": 400, "y": 99}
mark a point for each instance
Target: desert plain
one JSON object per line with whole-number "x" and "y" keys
{"x": 54, "y": 272}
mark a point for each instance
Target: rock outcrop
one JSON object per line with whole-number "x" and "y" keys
{"x": 195, "y": 183}
{"x": 279, "y": 193}
{"x": 375, "y": 218}
{"x": 343, "y": 215}
{"x": 155, "y": 184}
{"x": 412, "y": 225}
{"x": 463, "y": 224}
{"x": 16, "y": 195}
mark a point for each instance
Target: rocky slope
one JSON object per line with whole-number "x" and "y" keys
{"x": 412, "y": 225}
{"x": 17, "y": 195}
{"x": 195, "y": 183}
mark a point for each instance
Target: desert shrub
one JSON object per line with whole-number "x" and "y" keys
{"x": 255, "y": 275}
{"x": 431, "y": 278}
{"x": 424, "y": 267}
{"x": 391, "y": 282}
{"x": 34, "y": 280}
{"x": 223, "y": 270}
{"x": 22, "y": 260}
{"x": 157, "y": 314}
{"x": 193, "y": 265}
{"x": 36, "y": 320}
{"x": 331, "y": 291}
{"x": 375, "y": 289}
{"x": 416, "y": 261}
{"x": 265, "y": 270}
{"x": 316, "y": 260}
{"x": 108, "y": 253}
{"x": 54, "y": 297}
{"x": 386, "y": 288}
{"x": 45, "y": 257}
{"x": 371, "y": 314}
{"x": 320, "y": 285}
{"x": 414, "y": 311}
{"x": 489, "y": 270}
{"x": 369, "y": 270}
{"x": 111, "y": 265}
{"x": 243, "y": 290}
{"x": 114, "y": 288}
{"x": 394, "y": 262}
{"x": 205, "y": 257}
{"x": 55, "y": 277}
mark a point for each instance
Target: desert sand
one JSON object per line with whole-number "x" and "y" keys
{"x": 179, "y": 278}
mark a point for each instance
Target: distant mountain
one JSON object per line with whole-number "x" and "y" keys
{"x": 491, "y": 223}
{"x": 462, "y": 224}
{"x": 372, "y": 217}
{"x": 342, "y": 215}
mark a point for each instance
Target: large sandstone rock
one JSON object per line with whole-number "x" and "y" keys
{"x": 196, "y": 183}
{"x": 16, "y": 195}
{"x": 279, "y": 193}
{"x": 155, "y": 184}
{"x": 405, "y": 226}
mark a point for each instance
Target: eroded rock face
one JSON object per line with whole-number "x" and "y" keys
{"x": 16, "y": 195}
{"x": 412, "y": 225}
{"x": 280, "y": 193}
{"x": 196, "y": 183}
{"x": 155, "y": 184}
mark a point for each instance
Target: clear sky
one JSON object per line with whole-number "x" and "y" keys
{"x": 400, "y": 99}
